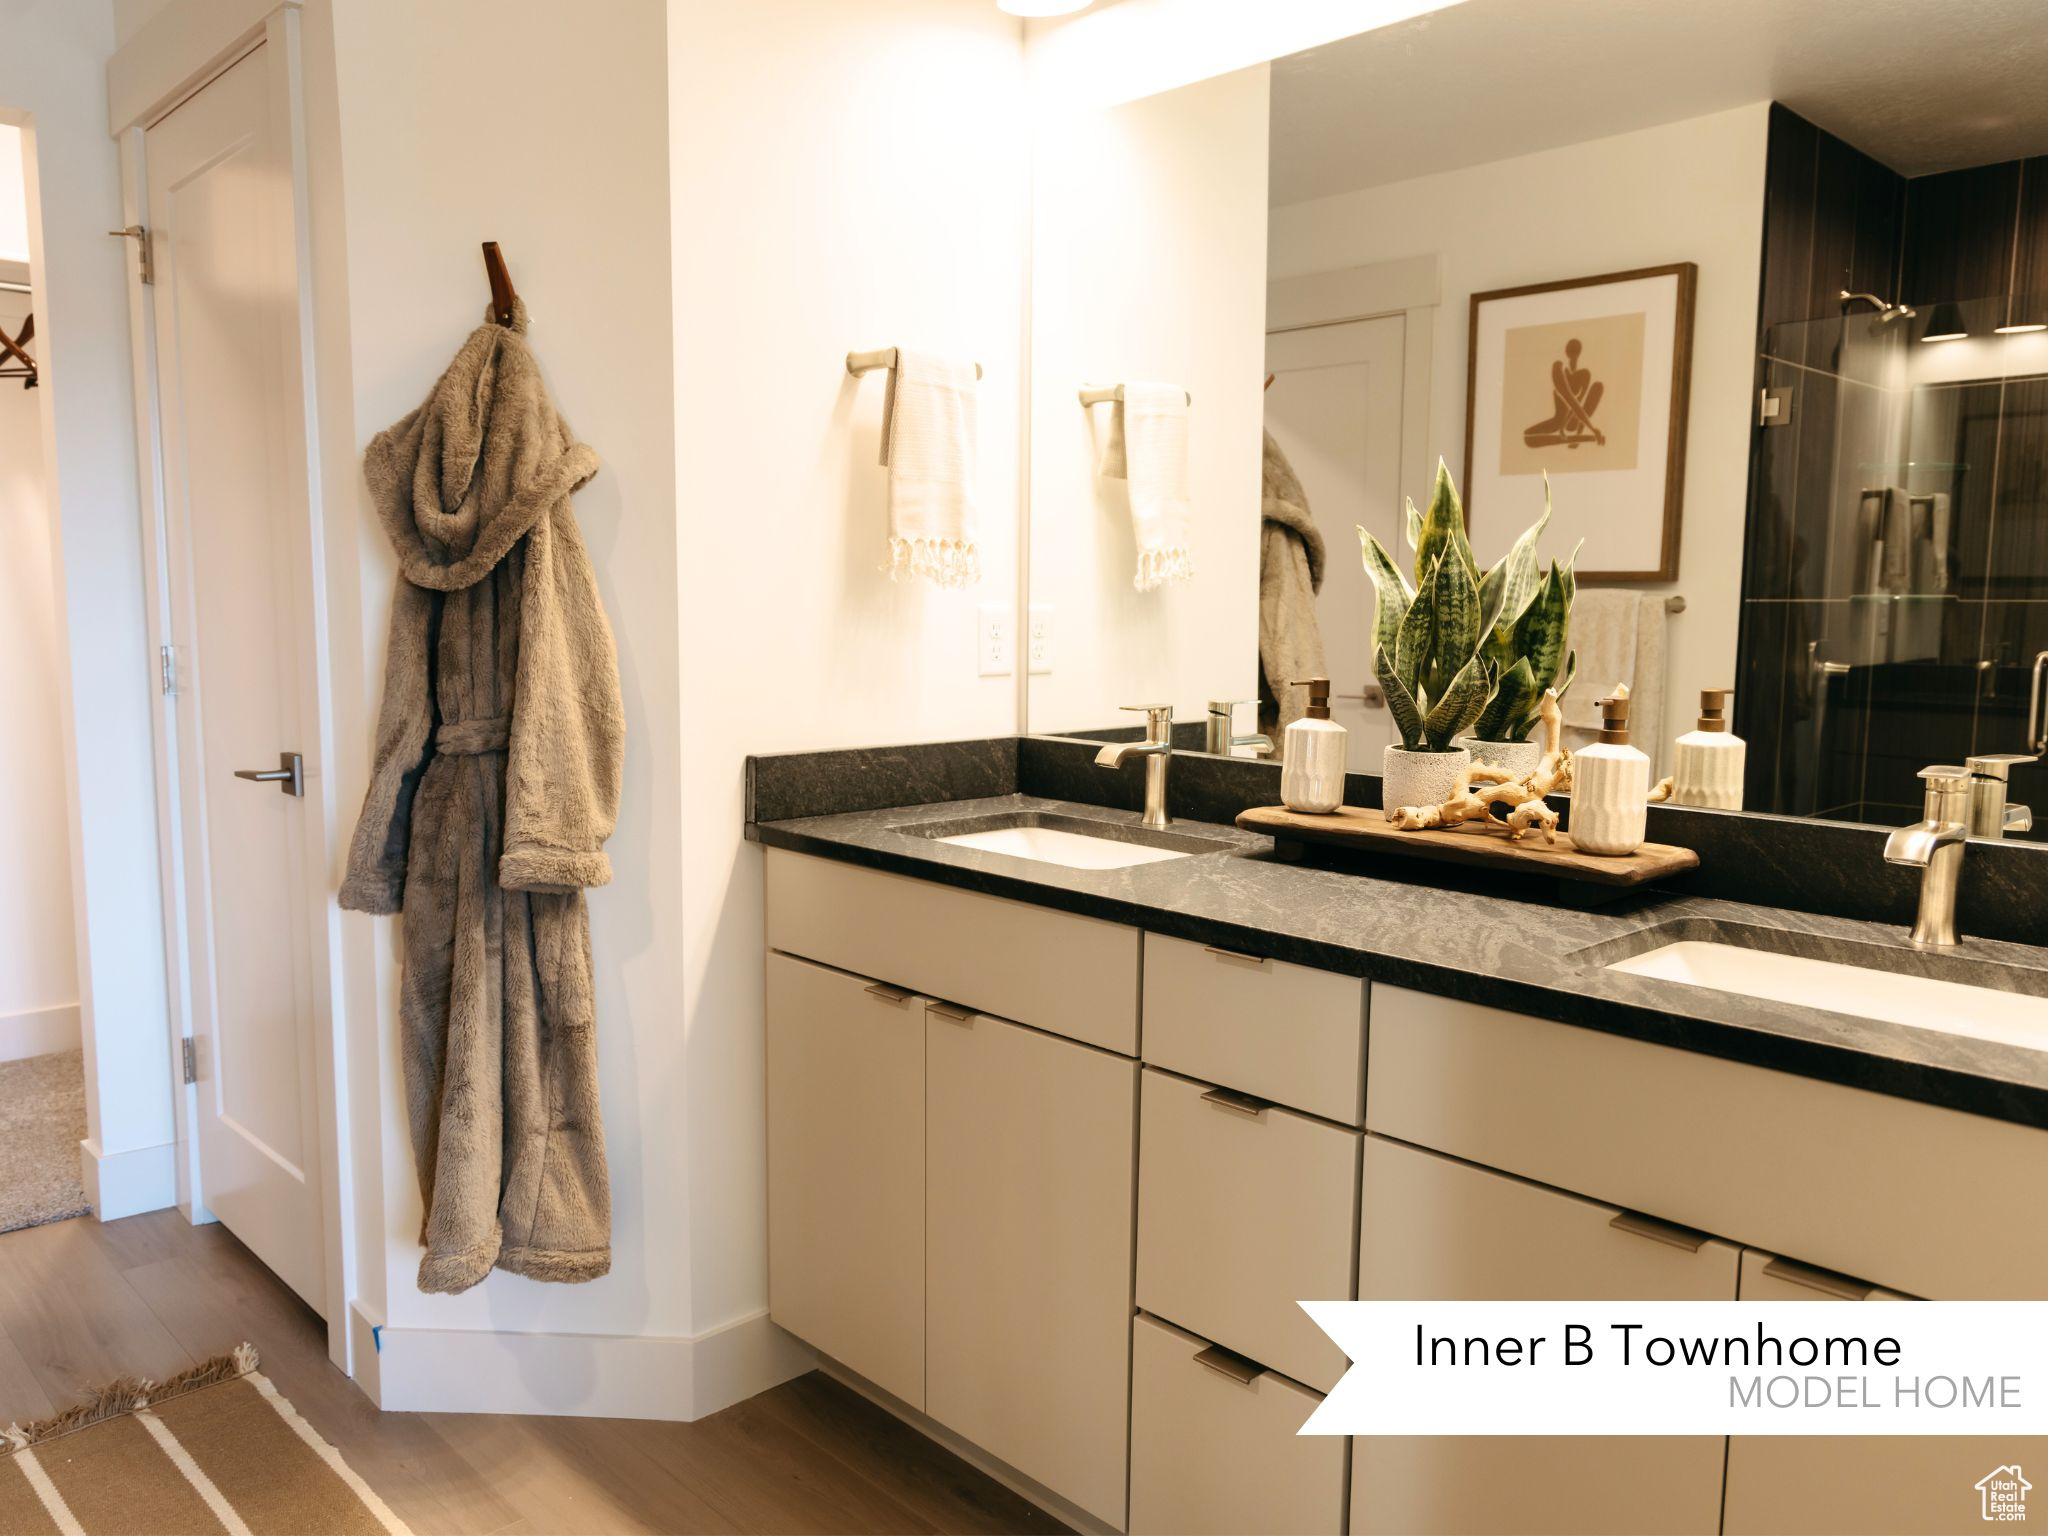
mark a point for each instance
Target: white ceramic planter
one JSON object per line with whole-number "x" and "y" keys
{"x": 1511, "y": 757}
{"x": 1419, "y": 778}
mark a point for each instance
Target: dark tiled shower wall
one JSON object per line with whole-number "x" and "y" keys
{"x": 1848, "y": 739}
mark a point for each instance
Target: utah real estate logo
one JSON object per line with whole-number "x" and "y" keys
{"x": 2005, "y": 1494}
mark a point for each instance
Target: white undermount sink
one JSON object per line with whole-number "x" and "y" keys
{"x": 1955, "y": 1008}
{"x": 1052, "y": 845}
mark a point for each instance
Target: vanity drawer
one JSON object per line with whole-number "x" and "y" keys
{"x": 1912, "y": 1195}
{"x": 1074, "y": 976}
{"x": 1787, "y": 1485}
{"x": 1435, "y": 1229}
{"x": 1245, "y": 1209}
{"x": 1213, "y": 1453}
{"x": 1288, "y": 1033}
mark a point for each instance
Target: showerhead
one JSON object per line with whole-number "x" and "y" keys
{"x": 1886, "y": 313}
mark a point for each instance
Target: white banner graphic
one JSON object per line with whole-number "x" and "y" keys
{"x": 1686, "y": 1368}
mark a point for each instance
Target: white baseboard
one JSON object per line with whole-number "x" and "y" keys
{"x": 128, "y": 1183}
{"x": 578, "y": 1375}
{"x": 38, "y": 1032}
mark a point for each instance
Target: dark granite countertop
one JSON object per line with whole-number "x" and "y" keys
{"x": 1508, "y": 944}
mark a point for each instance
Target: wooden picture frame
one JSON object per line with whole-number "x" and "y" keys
{"x": 1621, "y": 340}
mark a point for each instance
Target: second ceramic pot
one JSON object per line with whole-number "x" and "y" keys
{"x": 1420, "y": 778}
{"x": 1512, "y": 757}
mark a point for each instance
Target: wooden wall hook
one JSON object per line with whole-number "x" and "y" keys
{"x": 502, "y": 296}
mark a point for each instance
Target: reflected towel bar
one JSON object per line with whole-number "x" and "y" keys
{"x": 1674, "y": 604}
{"x": 1105, "y": 396}
{"x": 858, "y": 363}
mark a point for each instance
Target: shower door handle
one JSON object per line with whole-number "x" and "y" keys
{"x": 289, "y": 775}
{"x": 2037, "y": 743}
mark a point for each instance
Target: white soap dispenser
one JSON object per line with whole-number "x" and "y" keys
{"x": 1610, "y": 786}
{"x": 1312, "y": 755}
{"x": 1710, "y": 758}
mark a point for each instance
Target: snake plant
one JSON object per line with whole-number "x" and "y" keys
{"x": 1458, "y": 652}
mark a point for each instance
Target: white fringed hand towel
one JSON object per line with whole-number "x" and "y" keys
{"x": 1148, "y": 446}
{"x": 928, "y": 444}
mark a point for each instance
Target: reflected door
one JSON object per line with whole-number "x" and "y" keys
{"x": 238, "y": 573}
{"x": 1335, "y": 409}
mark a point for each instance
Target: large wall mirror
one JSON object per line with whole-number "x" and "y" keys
{"x": 1759, "y": 290}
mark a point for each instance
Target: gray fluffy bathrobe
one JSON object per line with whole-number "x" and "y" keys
{"x": 1290, "y": 576}
{"x": 495, "y": 785}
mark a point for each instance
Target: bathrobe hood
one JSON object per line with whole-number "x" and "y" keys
{"x": 464, "y": 477}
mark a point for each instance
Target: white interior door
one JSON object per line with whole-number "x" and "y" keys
{"x": 1335, "y": 409}
{"x": 236, "y": 557}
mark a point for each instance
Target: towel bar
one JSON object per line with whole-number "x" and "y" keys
{"x": 858, "y": 363}
{"x": 1674, "y": 604}
{"x": 1104, "y": 396}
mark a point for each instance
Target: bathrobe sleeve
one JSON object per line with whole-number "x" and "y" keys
{"x": 568, "y": 725}
{"x": 375, "y": 881}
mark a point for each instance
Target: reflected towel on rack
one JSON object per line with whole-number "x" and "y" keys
{"x": 928, "y": 444}
{"x": 1290, "y": 575}
{"x": 1619, "y": 635}
{"x": 1148, "y": 447}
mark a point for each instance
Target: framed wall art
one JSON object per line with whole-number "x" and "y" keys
{"x": 1585, "y": 381}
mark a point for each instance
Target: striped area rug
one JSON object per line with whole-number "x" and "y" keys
{"x": 214, "y": 1449}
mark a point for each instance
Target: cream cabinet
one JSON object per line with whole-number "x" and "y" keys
{"x": 1244, "y": 1210}
{"x": 1433, "y": 1228}
{"x": 1215, "y": 1448}
{"x": 1030, "y": 1142}
{"x": 1807, "y": 1485}
{"x": 846, "y": 1170}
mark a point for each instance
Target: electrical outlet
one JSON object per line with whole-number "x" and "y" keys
{"x": 1038, "y": 639}
{"x": 998, "y": 639}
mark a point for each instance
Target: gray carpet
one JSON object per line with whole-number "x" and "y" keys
{"x": 42, "y": 1120}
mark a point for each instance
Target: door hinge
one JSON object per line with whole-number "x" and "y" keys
{"x": 191, "y": 1051}
{"x": 167, "y": 662}
{"x": 140, "y": 235}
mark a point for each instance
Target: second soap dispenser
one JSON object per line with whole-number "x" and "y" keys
{"x": 1610, "y": 786}
{"x": 1312, "y": 755}
{"x": 1710, "y": 758}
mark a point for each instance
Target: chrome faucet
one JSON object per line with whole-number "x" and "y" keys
{"x": 1156, "y": 749}
{"x": 1935, "y": 843}
{"x": 1990, "y": 813}
{"x": 1219, "y": 738}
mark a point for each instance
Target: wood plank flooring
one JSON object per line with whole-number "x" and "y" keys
{"x": 82, "y": 1302}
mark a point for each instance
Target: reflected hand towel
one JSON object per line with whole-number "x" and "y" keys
{"x": 1148, "y": 446}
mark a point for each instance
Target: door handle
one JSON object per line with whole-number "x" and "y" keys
{"x": 289, "y": 775}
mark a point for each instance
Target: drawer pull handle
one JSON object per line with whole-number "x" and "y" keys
{"x": 889, "y": 994}
{"x": 1220, "y": 1360}
{"x": 948, "y": 1011}
{"x": 1237, "y": 1103}
{"x": 1237, "y": 957}
{"x": 1826, "y": 1281}
{"x": 1639, "y": 1225}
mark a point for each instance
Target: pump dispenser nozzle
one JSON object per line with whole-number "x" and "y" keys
{"x": 1318, "y": 695}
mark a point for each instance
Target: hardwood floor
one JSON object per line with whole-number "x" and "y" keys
{"x": 82, "y": 1303}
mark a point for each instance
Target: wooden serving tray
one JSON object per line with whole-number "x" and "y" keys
{"x": 1369, "y": 832}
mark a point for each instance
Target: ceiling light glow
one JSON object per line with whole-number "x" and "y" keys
{"x": 1043, "y": 7}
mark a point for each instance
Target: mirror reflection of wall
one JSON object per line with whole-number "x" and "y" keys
{"x": 1861, "y": 571}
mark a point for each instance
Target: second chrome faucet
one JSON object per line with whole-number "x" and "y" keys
{"x": 1156, "y": 749}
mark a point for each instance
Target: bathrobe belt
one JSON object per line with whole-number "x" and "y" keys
{"x": 473, "y": 738}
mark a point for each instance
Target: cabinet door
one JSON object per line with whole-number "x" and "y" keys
{"x": 1031, "y": 1144}
{"x": 1433, "y": 1228}
{"x": 1803, "y": 1485}
{"x": 846, "y": 1170}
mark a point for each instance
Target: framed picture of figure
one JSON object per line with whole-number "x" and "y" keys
{"x": 1585, "y": 381}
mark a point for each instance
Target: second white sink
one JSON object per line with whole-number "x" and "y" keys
{"x": 1984, "y": 1013}
{"x": 1075, "y": 850}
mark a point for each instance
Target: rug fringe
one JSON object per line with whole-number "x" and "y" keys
{"x": 127, "y": 1395}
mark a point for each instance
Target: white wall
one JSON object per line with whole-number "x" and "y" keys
{"x": 1686, "y": 191}
{"x": 881, "y": 203}
{"x": 1148, "y": 262}
{"x": 38, "y": 960}
{"x": 543, "y": 127}
{"x": 1120, "y": 50}
{"x": 13, "y": 197}
{"x": 52, "y": 78}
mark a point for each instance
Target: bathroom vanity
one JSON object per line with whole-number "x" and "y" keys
{"x": 1054, "y": 1151}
